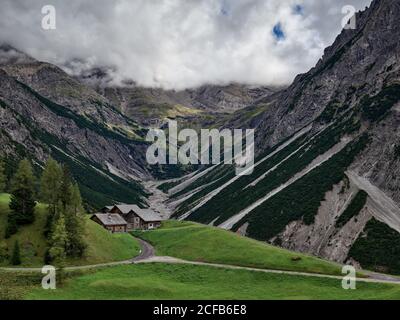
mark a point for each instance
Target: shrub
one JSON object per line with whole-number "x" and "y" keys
{"x": 16, "y": 255}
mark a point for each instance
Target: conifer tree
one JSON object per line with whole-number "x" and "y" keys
{"x": 76, "y": 199}
{"x": 59, "y": 241}
{"x": 16, "y": 256}
{"x": 2, "y": 177}
{"x": 50, "y": 184}
{"x": 12, "y": 226}
{"x": 75, "y": 223}
{"x": 65, "y": 189}
{"x": 22, "y": 203}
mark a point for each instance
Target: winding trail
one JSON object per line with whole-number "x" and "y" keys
{"x": 146, "y": 252}
{"x": 147, "y": 255}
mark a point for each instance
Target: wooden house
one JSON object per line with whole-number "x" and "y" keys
{"x": 112, "y": 222}
{"x": 137, "y": 218}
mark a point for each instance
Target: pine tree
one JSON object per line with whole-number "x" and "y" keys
{"x": 59, "y": 242}
{"x": 2, "y": 177}
{"x": 76, "y": 199}
{"x": 65, "y": 189}
{"x": 12, "y": 226}
{"x": 57, "y": 251}
{"x": 22, "y": 203}
{"x": 50, "y": 185}
{"x": 16, "y": 257}
{"x": 75, "y": 223}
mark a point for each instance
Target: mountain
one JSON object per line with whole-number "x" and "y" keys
{"x": 43, "y": 112}
{"x": 194, "y": 107}
{"x": 326, "y": 176}
{"x": 46, "y": 112}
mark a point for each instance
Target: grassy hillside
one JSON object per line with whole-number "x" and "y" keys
{"x": 102, "y": 246}
{"x": 162, "y": 281}
{"x": 197, "y": 242}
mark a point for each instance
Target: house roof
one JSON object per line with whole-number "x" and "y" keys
{"x": 146, "y": 215}
{"x": 126, "y": 208}
{"x": 110, "y": 219}
{"x": 108, "y": 208}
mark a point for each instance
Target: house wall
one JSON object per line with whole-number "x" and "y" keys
{"x": 134, "y": 221}
{"x": 152, "y": 225}
{"x": 117, "y": 229}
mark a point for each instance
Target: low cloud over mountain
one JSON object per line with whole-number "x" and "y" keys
{"x": 176, "y": 44}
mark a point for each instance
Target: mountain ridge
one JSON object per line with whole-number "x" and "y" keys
{"x": 327, "y": 138}
{"x": 346, "y": 109}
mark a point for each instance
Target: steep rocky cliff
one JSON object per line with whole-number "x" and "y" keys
{"x": 45, "y": 112}
{"x": 326, "y": 176}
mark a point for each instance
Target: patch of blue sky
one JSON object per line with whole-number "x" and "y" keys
{"x": 278, "y": 32}
{"x": 298, "y": 9}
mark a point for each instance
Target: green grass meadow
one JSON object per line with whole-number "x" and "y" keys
{"x": 195, "y": 242}
{"x": 187, "y": 282}
{"x": 161, "y": 281}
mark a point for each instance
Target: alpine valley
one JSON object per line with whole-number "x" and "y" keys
{"x": 327, "y": 170}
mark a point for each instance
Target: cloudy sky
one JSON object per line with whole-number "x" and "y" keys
{"x": 179, "y": 43}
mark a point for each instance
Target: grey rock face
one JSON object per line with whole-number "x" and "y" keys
{"x": 77, "y": 139}
{"x": 358, "y": 78}
{"x": 44, "y": 112}
{"x": 360, "y": 63}
{"x": 323, "y": 238}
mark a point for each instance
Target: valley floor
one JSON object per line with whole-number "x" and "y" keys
{"x": 184, "y": 261}
{"x": 158, "y": 281}
{"x": 163, "y": 278}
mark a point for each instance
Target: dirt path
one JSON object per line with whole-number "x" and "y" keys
{"x": 373, "y": 277}
{"x": 147, "y": 255}
{"x": 146, "y": 252}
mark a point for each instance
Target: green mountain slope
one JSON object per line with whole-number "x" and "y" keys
{"x": 195, "y": 242}
{"x": 47, "y": 113}
{"x": 102, "y": 246}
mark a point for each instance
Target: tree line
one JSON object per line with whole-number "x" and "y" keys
{"x": 65, "y": 222}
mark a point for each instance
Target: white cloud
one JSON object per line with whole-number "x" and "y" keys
{"x": 179, "y": 43}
